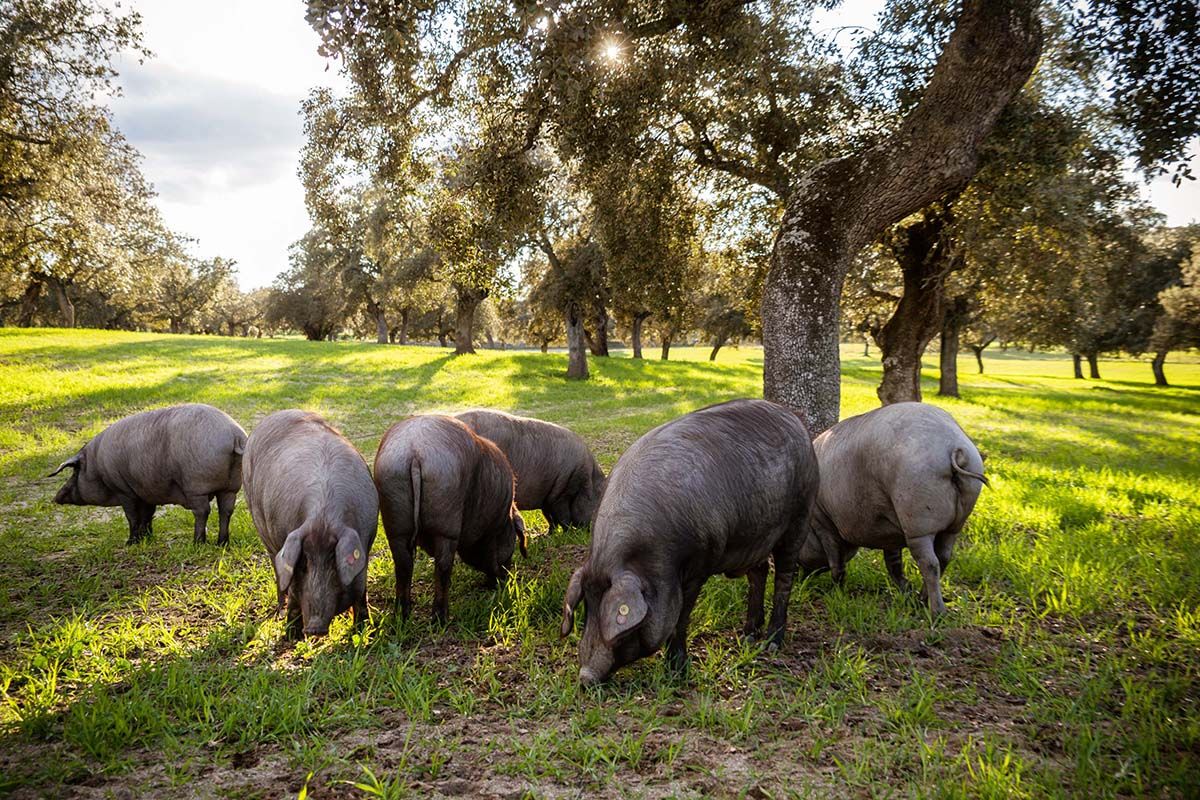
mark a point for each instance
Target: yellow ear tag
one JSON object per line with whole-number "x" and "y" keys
{"x": 356, "y": 554}
{"x": 623, "y": 610}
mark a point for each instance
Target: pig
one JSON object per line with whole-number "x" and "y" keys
{"x": 556, "y": 472}
{"x": 316, "y": 511}
{"x": 182, "y": 455}
{"x": 445, "y": 488}
{"x": 904, "y": 475}
{"x": 719, "y": 490}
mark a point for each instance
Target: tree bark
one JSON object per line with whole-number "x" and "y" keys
{"x": 635, "y": 339}
{"x": 718, "y": 343}
{"x": 29, "y": 303}
{"x": 577, "y": 366}
{"x": 925, "y": 260}
{"x": 545, "y": 346}
{"x": 842, "y": 205}
{"x": 599, "y": 340}
{"x": 866, "y": 347}
{"x": 381, "y": 326}
{"x": 468, "y": 299}
{"x": 65, "y": 306}
{"x": 1160, "y": 377}
{"x": 1093, "y": 365}
{"x": 955, "y": 313}
{"x": 666, "y": 347}
{"x": 402, "y": 336}
{"x": 1078, "y": 363}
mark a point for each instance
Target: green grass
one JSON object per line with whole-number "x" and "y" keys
{"x": 1066, "y": 666}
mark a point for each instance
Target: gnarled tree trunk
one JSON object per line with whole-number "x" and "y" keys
{"x": 29, "y": 303}
{"x": 1160, "y": 377}
{"x": 599, "y": 340}
{"x": 1077, "y": 361}
{"x": 952, "y": 320}
{"x": 718, "y": 343}
{"x": 65, "y": 306}
{"x": 842, "y": 205}
{"x": 381, "y": 326}
{"x": 467, "y": 299}
{"x": 577, "y": 366}
{"x": 1093, "y": 364}
{"x": 402, "y": 335}
{"x": 925, "y": 258}
{"x": 635, "y": 337}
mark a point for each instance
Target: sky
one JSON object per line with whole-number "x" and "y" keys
{"x": 216, "y": 116}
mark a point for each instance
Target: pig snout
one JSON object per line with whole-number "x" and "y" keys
{"x": 587, "y": 677}
{"x": 316, "y": 629}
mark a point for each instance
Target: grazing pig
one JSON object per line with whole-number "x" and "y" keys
{"x": 445, "y": 488}
{"x": 556, "y": 472}
{"x": 717, "y": 491}
{"x": 312, "y": 500}
{"x": 180, "y": 455}
{"x": 904, "y": 475}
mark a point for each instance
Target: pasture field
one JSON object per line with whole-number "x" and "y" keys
{"x": 1067, "y": 666}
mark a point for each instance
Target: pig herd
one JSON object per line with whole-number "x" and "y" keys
{"x": 731, "y": 489}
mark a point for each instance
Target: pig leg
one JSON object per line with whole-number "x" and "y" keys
{"x": 200, "y": 508}
{"x": 923, "y": 552}
{"x": 787, "y": 562}
{"x": 894, "y": 561}
{"x": 944, "y": 547}
{"x": 755, "y": 596}
{"x": 443, "y": 562}
{"x": 135, "y": 515}
{"x": 677, "y": 656}
{"x": 402, "y": 555}
{"x": 225, "y": 503}
{"x": 360, "y": 612}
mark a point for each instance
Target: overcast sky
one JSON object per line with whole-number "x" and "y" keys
{"x": 216, "y": 115}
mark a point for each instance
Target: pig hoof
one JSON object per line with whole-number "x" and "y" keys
{"x": 773, "y": 647}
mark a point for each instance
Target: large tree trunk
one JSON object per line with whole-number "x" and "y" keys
{"x": 577, "y": 366}
{"x": 29, "y": 303}
{"x": 402, "y": 336}
{"x": 1160, "y": 377}
{"x": 925, "y": 258}
{"x": 381, "y": 326}
{"x": 842, "y": 205}
{"x": 599, "y": 340}
{"x": 545, "y": 346}
{"x": 468, "y": 299}
{"x": 635, "y": 338}
{"x": 65, "y": 306}
{"x": 718, "y": 343}
{"x": 955, "y": 313}
{"x": 1077, "y": 360}
{"x": 1093, "y": 365}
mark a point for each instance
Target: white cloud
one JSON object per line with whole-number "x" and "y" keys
{"x": 216, "y": 115}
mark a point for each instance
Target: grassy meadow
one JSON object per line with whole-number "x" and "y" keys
{"x": 1068, "y": 664}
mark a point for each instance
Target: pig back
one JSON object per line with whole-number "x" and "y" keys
{"x": 297, "y": 467}
{"x": 165, "y": 455}
{"x": 711, "y": 491}
{"x": 547, "y": 459}
{"x": 881, "y": 467}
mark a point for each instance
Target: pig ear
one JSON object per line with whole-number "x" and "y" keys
{"x": 286, "y": 558}
{"x": 74, "y": 462}
{"x": 623, "y": 608}
{"x": 519, "y": 524}
{"x": 571, "y": 601}
{"x": 351, "y": 556}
